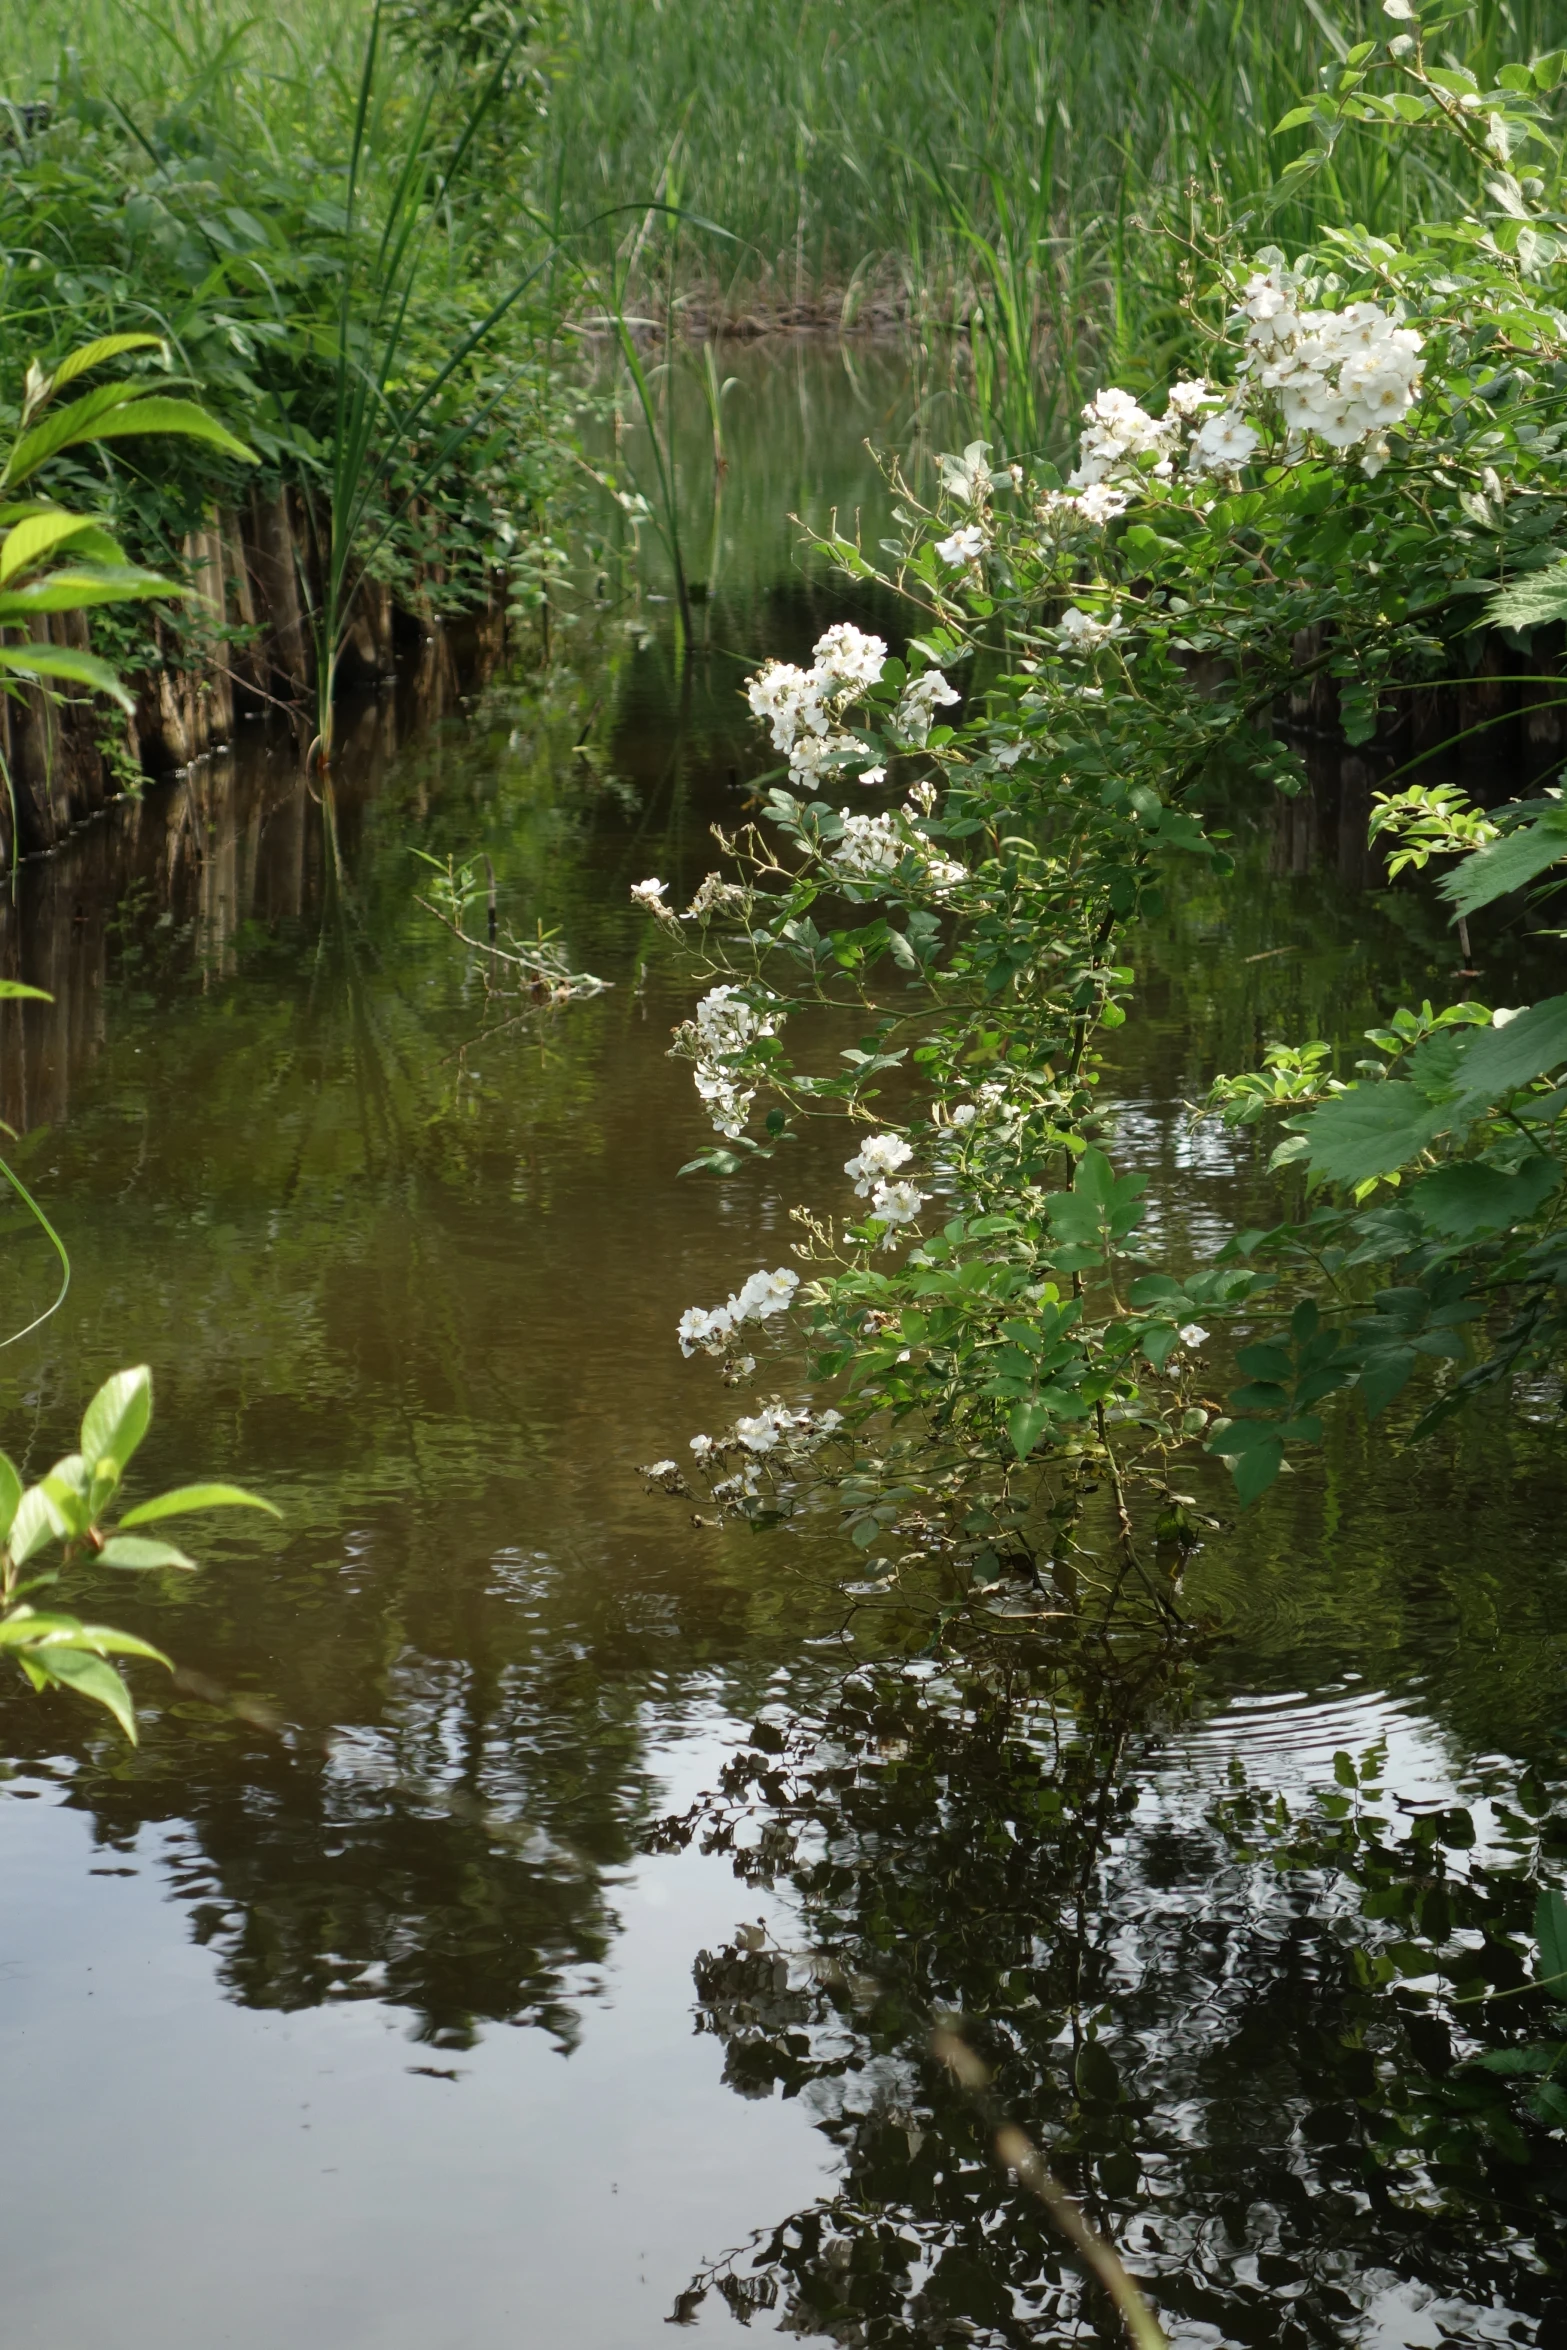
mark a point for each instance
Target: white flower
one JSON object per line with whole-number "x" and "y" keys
{"x": 661, "y": 1469}
{"x": 1119, "y": 433}
{"x": 964, "y": 1115}
{"x": 761, "y": 1432}
{"x": 964, "y": 546}
{"x": 911, "y": 719}
{"x": 710, "y": 1331}
{"x": 1192, "y": 1334}
{"x": 1008, "y": 755}
{"x": 874, "y": 775}
{"x": 846, "y": 658}
{"x": 651, "y": 895}
{"x": 1504, "y": 1013}
{"x": 1079, "y": 632}
{"x": 896, "y": 1203}
{"x": 1224, "y": 443}
{"x": 725, "y": 1024}
{"x": 879, "y": 1155}
{"x": 943, "y": 873}
{"x": 1189, "y": 398}
{"x": 765, "y": 1294}
{"x": 870, "y": 845}
{"x": 1403, "y": 10}
{"x": 701, "y": 1446}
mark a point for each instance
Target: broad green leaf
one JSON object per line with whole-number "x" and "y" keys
{"x": 1550, "y": 1931}
{"x": 49, "y": 533}
{"x": 1096, "y": 2075}
{"x": 1468, "y": 1198}
{"x": 33, "y": 662}
{"x": 135, "y": 1550}
{"x": 89, "y": 355}
{"x": 75, "y": 591}
{"x": 65, "y": 428}
{"x": 1506, "y": 864}
{"x": 88, "y": 1676}
{"x": 31, "y": 1527}
{"x": 1257, "y": 1469}
{"x": 10, "y": 1495}
{"x": 30, "y": 1628}
{"x": 1384, "y": 1375}
{"x": 1531, "y": 602}
{"x": 196, "y": 1497}
{"x": 1495, "y": 1062}
{"x": 11, "y": 989}
{"x": 116, "y": 1420}
{"x": 1372, "y": 1130}
{"x": 1025, "y": 1424}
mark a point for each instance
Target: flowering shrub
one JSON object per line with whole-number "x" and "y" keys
{"x": 1376, "y": 431}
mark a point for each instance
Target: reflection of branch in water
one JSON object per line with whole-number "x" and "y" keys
{"x": 542, "y": 964}
{"x": 1017, "y": 2154}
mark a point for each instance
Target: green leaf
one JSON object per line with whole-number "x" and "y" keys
{"x": 31, "y": 1527}
{"x": 1495, "y": 1062}
{"x": 46, "y": 533}
{"x": 134, "y": 1550}
{"x": 11, "y": 989}
{"x": 10, "y": 1495}
{"x": 1532, "y": 602}
{"x": 76, "y": 590}
{"x": 89, "y": 355}
{"x": 1025, "y": 1423}
{"x": 1372, "y": 1130}
{"x": 1468, "y": 1198}
{"x": 33, "y": 662}
{"x": 1550, "y": 1931}
{"x": 116, "y": 1420}
{"x": 1506, "y": 864}
{"x": 1257, "y": 1469}
{"x": 1385, "y": 1375}
{"x": 186, "y": 1498}
{"x": 118, "y": 413}
{"x": 88, "y": 1676}
{"x": 1095, "y": 2073}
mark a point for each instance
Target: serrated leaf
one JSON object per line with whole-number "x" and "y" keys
{"x": 117, "y": 1419}
{"x": 1372, "y": 1130}
{"x": 1531, "y": 602}
{"x": 184, "y": 1499}
{"x": 1495, "y": 1062}
{"x": 1468, "y": 1198}
{"x": 1507, "y": 864}
{"x": 136, "y": 1551}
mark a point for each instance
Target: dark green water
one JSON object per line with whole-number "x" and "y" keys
{"x": 350, "y": 2011}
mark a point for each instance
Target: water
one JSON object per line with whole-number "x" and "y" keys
{"x": 350, "y": 2008}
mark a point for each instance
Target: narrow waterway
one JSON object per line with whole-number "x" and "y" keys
{"x": 349, "y": 2010}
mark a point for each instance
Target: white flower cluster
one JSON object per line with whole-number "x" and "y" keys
{"x": 872, "y": 848}
{"x": 724, "y": 1026}
{"x": 879, "y": 1155}
{"x": 805, "y": 707}
{"x": 917, "y": 704}
{"x": 1119, "y": 435}
{"x": 651, "y": 895}
{"x": 776, "y": 1423}
{"x": 1345, "y": 375}
{"x": 757, "y": 1300}
{"x": 1092, "y": 507}
{"x": 874, "y": 1167}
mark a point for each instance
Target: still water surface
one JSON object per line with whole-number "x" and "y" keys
{"x": 349, "y": 2010}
